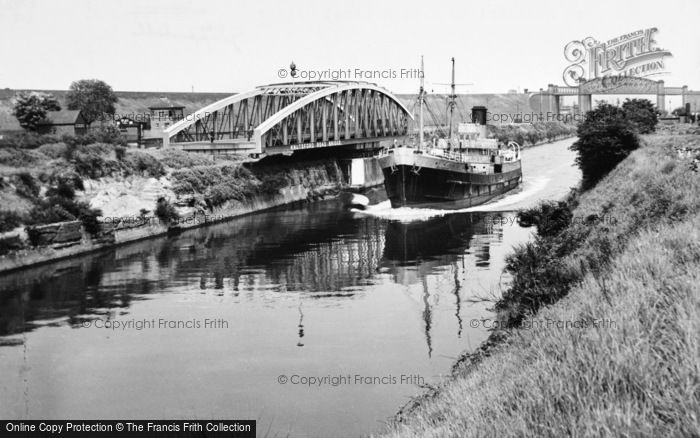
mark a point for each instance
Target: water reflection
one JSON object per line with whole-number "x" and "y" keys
{"x": 320, "y": 251}
{"x": 347, "y": 293}
{"x": 416, "y": 250}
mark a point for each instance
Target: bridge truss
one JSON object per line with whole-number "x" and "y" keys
{"x": 279, "y": 118}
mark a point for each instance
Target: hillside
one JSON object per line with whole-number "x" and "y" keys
{"x": 136, "y": 102}
{"x": 130, "y": 102}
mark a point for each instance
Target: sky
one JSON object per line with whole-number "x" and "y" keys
{"x": 232, "y": 46}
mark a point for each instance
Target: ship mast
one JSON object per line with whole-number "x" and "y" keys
{"x": 420, "y": 104}
{"x": 453, "y": 95}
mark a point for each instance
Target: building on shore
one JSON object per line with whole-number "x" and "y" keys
{"x": 63, "y": 122}
{"x": 163, "y": 113}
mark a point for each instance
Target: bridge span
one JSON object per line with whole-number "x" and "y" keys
{"x": 281, "y": 118}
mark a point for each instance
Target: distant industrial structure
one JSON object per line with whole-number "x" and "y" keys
{"x": 550, "y": 99}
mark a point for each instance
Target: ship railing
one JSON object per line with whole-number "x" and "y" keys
{"x": 450, "y": 155}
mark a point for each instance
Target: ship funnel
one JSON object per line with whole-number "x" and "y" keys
{"x": 479, "y": 115}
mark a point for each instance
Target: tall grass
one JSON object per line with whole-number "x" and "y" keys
{"x": 634, "y": 373}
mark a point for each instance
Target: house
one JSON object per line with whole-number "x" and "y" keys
{"x": 63, "y": 122}
{"x": 163, "y": 113}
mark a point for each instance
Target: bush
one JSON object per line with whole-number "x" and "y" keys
{"x": 60, "y": 205}
{"x": 66, "y": 185}
{"x": 9, "y": 220}
{"x": 103, "y": 134}
{"x": 26, "y": 186}
{"x": 54, "y": 150}
{"x": 27, "y": 140}
{"x": 272, "y": 183}
{"x": 218, "y": 184}
{"x": 92, "y": 161}
{"x": 642, "y": 114}
{"x": 47, "y": 213}
{"x": 531, "y": 132}
{"x": 100, "y": 159}
{"x": 33, "y": 235}
{"x": 606, "y": 137}
{"x": 549, "y": 217}
{"x": 120, "y": 152}
{"x": 14, "y": 157}
{"x": 10, "y": 244}
{"x": 178, "y": 159}
{"x": 88, "y": 216}
{"x": 58, "y": 209}
{"x": 142, "y": 163}
{"x": 540, "y": 277}
{"x": 165, "y": 211}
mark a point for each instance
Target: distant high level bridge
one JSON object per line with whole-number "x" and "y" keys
{"x": 281, "y": 118}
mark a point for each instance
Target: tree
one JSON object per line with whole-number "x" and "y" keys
{"x": 30, "y": 108}
{"x": 93, "y": 97}
{"x": 605, "y": 138}
{"x": 642, "y": 113}
{"x": 680, "y": 111}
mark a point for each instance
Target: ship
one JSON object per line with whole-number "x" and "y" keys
{"x": 462, "y": 170}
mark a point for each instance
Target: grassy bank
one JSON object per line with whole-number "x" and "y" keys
{"x": 626, "y": 267}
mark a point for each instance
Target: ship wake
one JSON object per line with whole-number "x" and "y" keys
{"x": 523, "y": 197}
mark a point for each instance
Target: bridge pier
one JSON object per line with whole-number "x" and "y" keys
{"x": 554, "y": 104}
{"x": 585, "y": 103}
{"x": 360, "y": 167}
{"x": 364, "y": 172}
{"x": 661, "y": 97}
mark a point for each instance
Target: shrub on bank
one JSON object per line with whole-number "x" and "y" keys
{"x": 605, "y": 138}
{"x": 642, "y": 114}
{"x": 19, "y": 158}
{"x": 539, "y": 273}
{"x": 99, "y": 160}
{"x": 32, "y": 140}
{"x": 531, "y": 133}
{"x": 178, "y": 159}
{"x": 27, "y": 140}
{"x": 54, "y": 150}
{"x": 59, "y": 205}
{"x": 26, "y": 186}
{"x": 165, "y": 211}
{"x": 218, "y": 183}
{"x": 9, "y": 220}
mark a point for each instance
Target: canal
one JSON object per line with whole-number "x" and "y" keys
{"x": 313, "y": 320}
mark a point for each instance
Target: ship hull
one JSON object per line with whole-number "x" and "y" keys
{"x": 415, "y": 180}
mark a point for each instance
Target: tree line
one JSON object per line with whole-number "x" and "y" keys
{"x": 92, "y": 97}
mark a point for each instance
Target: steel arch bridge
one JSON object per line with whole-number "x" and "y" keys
{"x": 280, "y": 118}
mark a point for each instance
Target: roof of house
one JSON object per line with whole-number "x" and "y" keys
{"x": 63, "y": 117}
{"x": 164, "y": 103}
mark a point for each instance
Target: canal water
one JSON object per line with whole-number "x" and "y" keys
{"x": 313, "y": 320}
